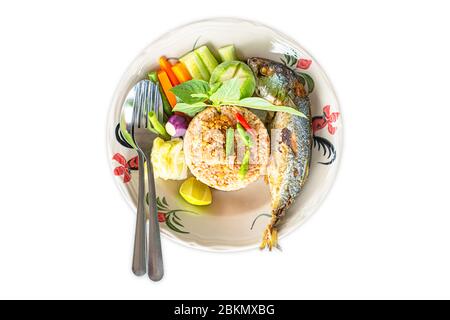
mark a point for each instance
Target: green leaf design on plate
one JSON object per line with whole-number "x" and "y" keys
{"x": 309, "y": 81}
{"x": 171, "y": 225}
{"x": 175, "y": 221}
{"x": 172, "y": 220}
{"x": 289, "y": 60}
{"x": 159, "y": 204}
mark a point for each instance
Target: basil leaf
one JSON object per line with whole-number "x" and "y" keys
{"x": 262, "y": 104}
{"x": 190, "y": 109}
{"x": 200, "y": 95}
{"x": 185, "y": 90}
{"x": 229, "y": 91}
{"x": 214, "y": 87}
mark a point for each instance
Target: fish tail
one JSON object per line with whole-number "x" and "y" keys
{"x": 270, "y": 236}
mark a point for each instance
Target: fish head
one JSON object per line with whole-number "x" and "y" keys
{"x": 272, "y": 80}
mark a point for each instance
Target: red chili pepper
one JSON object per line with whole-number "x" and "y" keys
{"x": 243, "y": 122}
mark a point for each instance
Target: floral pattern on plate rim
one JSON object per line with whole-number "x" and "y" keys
{"x": 170, "y": 216}
{"x": 327, "y": 119}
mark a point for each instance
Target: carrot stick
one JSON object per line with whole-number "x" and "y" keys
{"x": 181, "y": 72}
{"x": 167, "y": 67}
{"x": 166, "y": 85}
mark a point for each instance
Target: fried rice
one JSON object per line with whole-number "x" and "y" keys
{"x": 204, "y": 148}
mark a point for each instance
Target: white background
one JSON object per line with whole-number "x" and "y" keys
{"x": 383, "y": 231}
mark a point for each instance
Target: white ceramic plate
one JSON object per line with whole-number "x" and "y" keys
{"x": 235, "y": 220}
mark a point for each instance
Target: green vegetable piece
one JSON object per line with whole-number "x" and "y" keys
{"x": 157, "y": 126}
{"x": 207, "y": 57}
{"x": 224, "y": 71}
{"x": 229, "y": 144}
{"x": 229, "y": 91}
{"x": 243, "y": 170}
{"x": 228, "y": 53}
{"x": 195, "y": 66}
{"x": 186, "y": 91}
{"x": 213, "y": 88}
{"x": 190, "y": 109}
{"x": 153, "y": 76}
{"x": 246, "y": 139}
{"x": 235, "y": 70}
{"x": 128, "y": 138}
{"x": 262, "y": 104}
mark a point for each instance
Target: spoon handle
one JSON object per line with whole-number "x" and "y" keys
{"x": 155, "y": 260}
{"x": 139, "y": 261}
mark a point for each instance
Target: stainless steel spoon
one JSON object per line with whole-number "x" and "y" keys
{"x": 139, "y": 266}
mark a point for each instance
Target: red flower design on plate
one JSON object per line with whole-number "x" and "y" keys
{"x": 125, "y": 166}
{"x": 304, "y": 63}
{"x": 326, "y": 120}
{"x": 161, "y": 217}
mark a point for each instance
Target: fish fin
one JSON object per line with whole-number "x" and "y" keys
{"x": 270, "y": 239}
{"x": 274, "y": 237}
{"x": 263, "y": 244}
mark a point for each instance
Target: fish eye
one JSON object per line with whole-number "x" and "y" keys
{"x": 263, "y": 70}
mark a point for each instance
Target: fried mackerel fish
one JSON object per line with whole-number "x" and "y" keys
{"x": 205, "y": 142}
{"x": 291, "y": 138}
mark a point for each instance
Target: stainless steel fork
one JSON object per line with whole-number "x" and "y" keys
{"x": 147, "y": 99}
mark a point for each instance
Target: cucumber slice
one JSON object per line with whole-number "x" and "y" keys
{"x": 207, "y": 57}
{"x": 243, "y": 170}
{"x": 229, "y": 143}
{"x": 195, "y": 66}
{"x": 228, "y": 53}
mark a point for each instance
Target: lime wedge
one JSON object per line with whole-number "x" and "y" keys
{"x": 195, "y": 192}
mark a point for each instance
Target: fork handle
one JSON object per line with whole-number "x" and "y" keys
{"x": 139, "y": 262}
{"x": 155, "y": 260}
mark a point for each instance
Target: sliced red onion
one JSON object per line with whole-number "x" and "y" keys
{"x": 176, "y": 126}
